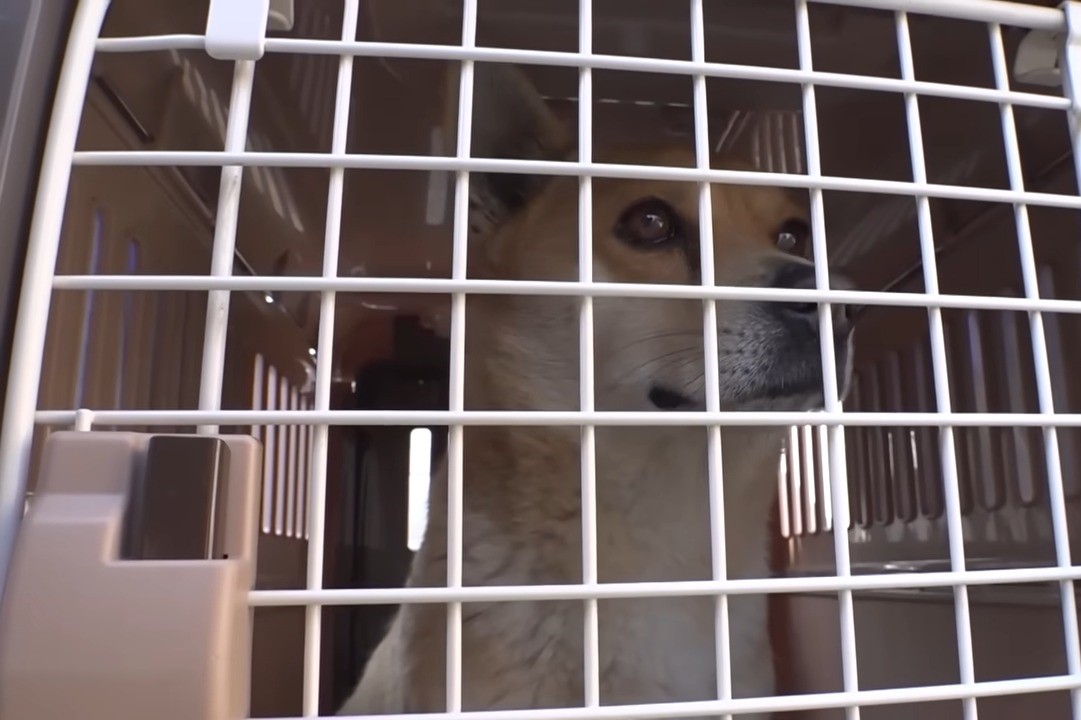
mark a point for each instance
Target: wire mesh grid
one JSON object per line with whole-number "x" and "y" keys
{"x": 40, "y": 282}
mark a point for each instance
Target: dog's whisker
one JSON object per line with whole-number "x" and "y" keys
{"x": 657, "y": 364}
{"x": 659, "y": 336}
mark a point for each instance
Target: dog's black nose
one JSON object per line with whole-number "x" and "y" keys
{"x": 801, "y": 276}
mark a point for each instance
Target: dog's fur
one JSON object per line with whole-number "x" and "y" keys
{"x": 522, "y": 484}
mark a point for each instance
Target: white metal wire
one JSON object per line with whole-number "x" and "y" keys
{"x": 711, "y": 364}
{"x": 950, "y": 481}
{"x": 28, "y": 342}
{"x": 556, "y": 418}
{"x": 456, "y": 391}
{"x": 223, "y": 252}
{"x": 591, "y": 623}
{"x": 572, "y": 169}
{"x": 1008, "y": 13}
{"x": 1044, "y": 392}
{"x": 1072, "y": 82}
{"x": 565, "y": 288}
{"x": 830, "y": 391}
{"x": 317, "y": 488}
{"x": 783, "y": 703}
{"x": 39, "y": 282}
{"x": 689, "y": 588}
{"x": 597, "y": 62}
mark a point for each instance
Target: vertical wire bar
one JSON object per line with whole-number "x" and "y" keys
{"x": 838, "y": 467}
{"x": 711, "y": 364}
{"x": 317, "y": 489}
{"x": 223, "y": 253}
{"x": 456, "y": 400}
{"x": 28, "y": 341}
{"x": 955, "y": 531}
{"x": 1042, "y": 366}
{"x": 591, "y": 624}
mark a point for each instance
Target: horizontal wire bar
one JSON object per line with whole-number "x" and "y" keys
{"x": 1006, "y": 13}
{"x": 151, "y": 43}
{"x": 696, "y": 588}
{"x": 558, "y": 418}
{"x": 312, "y": 46}
{"x": 427, "y": 163}
{"x": 567, "y": 288}
{"x": 775, "y": 704}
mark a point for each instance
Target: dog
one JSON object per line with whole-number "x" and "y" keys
{"x": 522, "y": 485}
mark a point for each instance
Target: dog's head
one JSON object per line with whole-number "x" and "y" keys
{"x": 648, "y": 352}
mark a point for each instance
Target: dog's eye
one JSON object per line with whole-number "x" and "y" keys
{"x": 792, "y": 236}
{"x": 648, "y": 224}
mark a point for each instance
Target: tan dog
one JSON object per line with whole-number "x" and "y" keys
{"x": 522, "y": 485}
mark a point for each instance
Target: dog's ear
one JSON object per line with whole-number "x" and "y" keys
{"x": 511, "y": 121}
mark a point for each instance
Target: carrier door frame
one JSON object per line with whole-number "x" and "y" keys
{"x": 32, "y": 46}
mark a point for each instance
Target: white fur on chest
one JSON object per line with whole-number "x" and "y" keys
{"x": 654, "y": 525}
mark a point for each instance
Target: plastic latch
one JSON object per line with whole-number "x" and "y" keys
{"x": 236, "y": 29}
{"x": 127, "y": 594}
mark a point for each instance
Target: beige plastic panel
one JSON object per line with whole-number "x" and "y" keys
{"x": 86, "y": 632}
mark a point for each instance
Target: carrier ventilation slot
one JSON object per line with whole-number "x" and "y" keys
{"x": 286, "y": 453}
{"x": 895, "y": 474}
